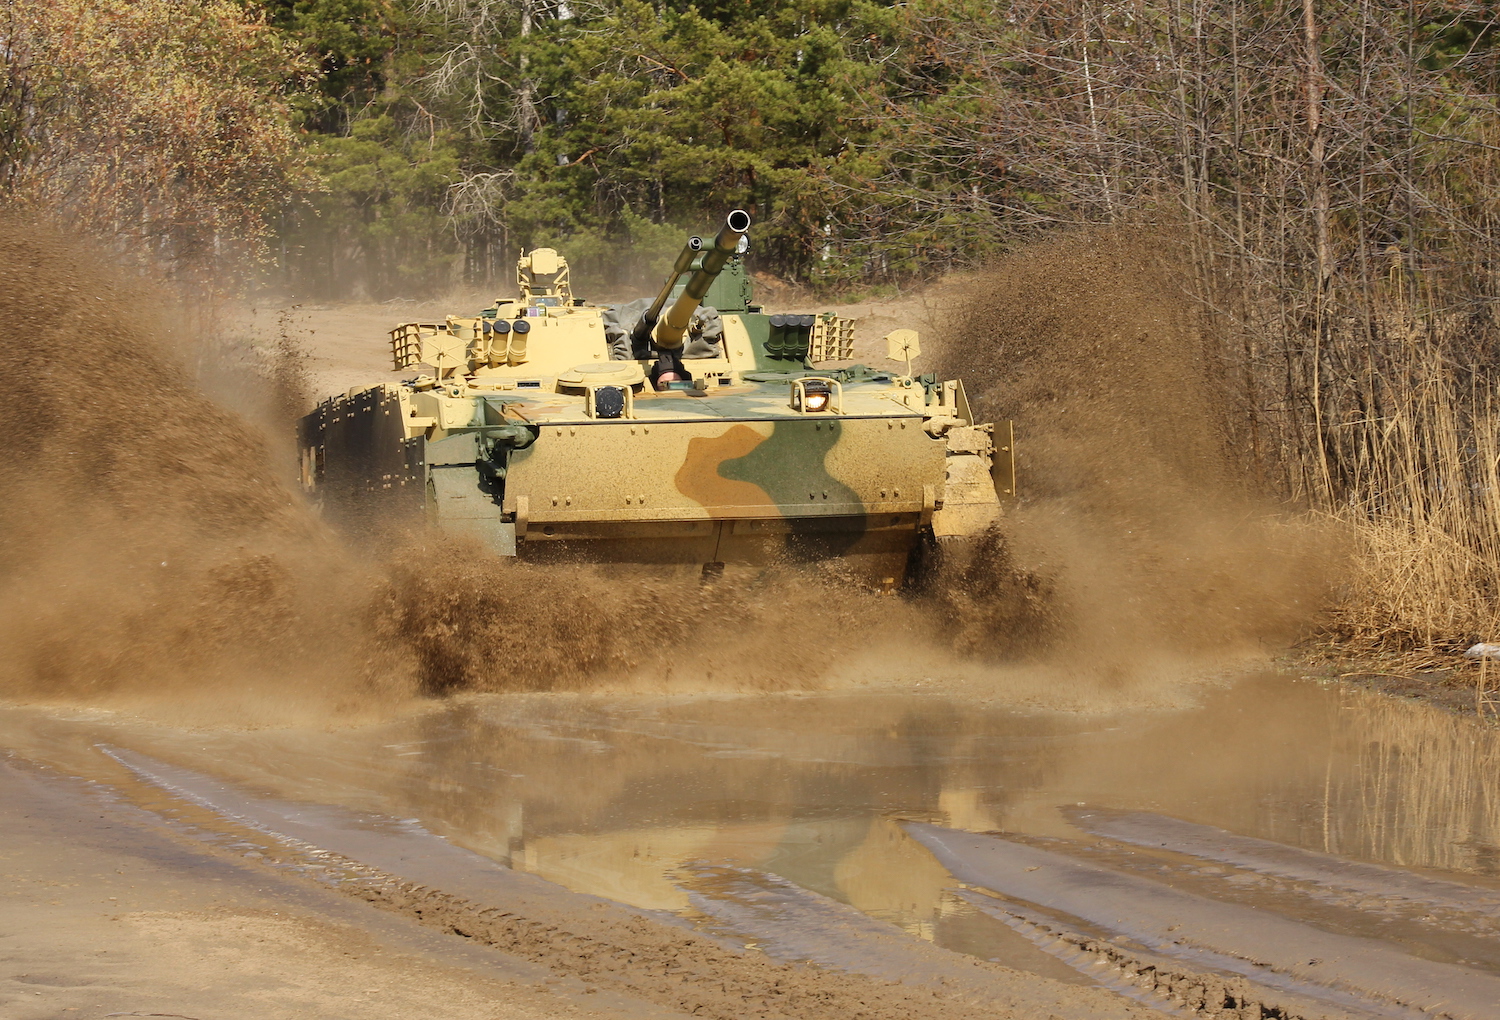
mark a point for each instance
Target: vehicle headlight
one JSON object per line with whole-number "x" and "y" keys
{"x": 811, "y": 395}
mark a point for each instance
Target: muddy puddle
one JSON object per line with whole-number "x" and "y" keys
{"x": 786, "y": 823}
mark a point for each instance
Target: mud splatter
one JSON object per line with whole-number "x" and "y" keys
{"x": 153, "y": 549}
{"x": 1135, "y": 536}
{"x": 475, "y": 622}
{"x": 147, "y": 547}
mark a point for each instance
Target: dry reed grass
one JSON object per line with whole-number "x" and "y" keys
{"x": 1421, "y": 501}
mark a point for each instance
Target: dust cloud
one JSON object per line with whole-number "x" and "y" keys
{"x": 147, "y": 548}
{"x": 154, "y": 554}
{"x": 1136, "y": 538}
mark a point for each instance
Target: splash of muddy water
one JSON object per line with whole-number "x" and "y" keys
{"x": 151, "y": 550}
{"x": 153, "y": 556}
{"x": 147, "y": 549}
{"x": 1138, "y": 519}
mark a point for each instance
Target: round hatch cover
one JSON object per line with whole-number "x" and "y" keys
{"x": 623, "y": 373}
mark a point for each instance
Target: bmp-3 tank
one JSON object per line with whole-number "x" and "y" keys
{"x": 690, "y": 429}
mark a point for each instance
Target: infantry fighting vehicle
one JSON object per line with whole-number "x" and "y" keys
{"x": 694, "y": 429}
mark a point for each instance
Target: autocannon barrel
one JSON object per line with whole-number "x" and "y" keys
{"x": 640, "y": 334}
{"x": 674, "y": 325}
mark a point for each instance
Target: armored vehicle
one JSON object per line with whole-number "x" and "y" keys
{"x": 693, "y": 429}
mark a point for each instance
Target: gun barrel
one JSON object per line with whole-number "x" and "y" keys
{"x": 641, "y": 332}
{"x": 673, "y": 326}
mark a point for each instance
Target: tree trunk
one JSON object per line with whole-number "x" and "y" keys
{"x": 526, "y": 118}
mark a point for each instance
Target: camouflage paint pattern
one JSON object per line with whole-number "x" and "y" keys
{"x": 502, "y": 439}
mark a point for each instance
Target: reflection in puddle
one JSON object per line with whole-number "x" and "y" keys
{"x": 622, "y": 797}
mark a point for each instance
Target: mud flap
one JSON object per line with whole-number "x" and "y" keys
{"x": 1003, "y": 460}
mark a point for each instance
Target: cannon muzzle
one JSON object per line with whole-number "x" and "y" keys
{"x": 640, "y": 333}
{"x": 672, "y": 327}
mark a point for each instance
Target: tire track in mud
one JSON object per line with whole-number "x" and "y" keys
{"x": 794, "y": 924}
{"x": 400, "y": 867}
{"x": 1134, "y": 972}
{"x": 1353, "y": 884}
{"x": 1286, "y": 962}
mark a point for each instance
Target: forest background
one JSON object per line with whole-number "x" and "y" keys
{"x": 1326, "y": 171}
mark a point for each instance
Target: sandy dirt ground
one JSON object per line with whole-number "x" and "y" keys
{"x": 104, "y": 914}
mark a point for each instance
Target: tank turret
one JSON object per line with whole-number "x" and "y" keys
{"x": 667, "y": 332}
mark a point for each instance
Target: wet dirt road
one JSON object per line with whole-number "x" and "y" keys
{"x": 1280, "y": 849}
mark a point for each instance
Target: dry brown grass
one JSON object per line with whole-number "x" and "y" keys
{"x": 1422, "y": 505}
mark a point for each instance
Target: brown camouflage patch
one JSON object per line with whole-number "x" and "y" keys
{"x": 699, "y": 480}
